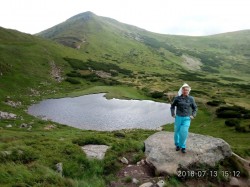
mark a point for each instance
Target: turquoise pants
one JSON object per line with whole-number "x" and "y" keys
{"x": 181, "y": 127}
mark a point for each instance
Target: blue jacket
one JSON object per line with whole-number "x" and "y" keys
{"x": 186, "y": 106}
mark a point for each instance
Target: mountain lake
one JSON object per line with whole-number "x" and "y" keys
{"x": 95, "y": 112}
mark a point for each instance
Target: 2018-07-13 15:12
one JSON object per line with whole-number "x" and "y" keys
{"x": 210, "y": 173}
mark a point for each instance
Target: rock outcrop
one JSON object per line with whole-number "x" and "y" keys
{"x": 6, "y": 115}
{"x": 13, "y": 103}
{"x": 160, "y": 152}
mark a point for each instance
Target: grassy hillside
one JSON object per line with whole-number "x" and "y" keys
{"x": 26, "y": 62}
{"x": 161, "y": 62}
{"x": 135, "y": 64}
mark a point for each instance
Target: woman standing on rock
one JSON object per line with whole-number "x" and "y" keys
{"x": 186, "y": 110}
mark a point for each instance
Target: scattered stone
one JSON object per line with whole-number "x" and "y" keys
{"x": 23, "y": 125}
{"x": 34, "y": 92}
{"x": 9, "y": 126}
{"x": 49, "y": 127}
{"x": 161, "y": 183}
{"x": 30, "y": 127}
{"x": 205, "y": 150}
{"x": 59, "y": 167}
{"x": 147, "y": 184}
{"x": 13, "y": 104}
{"x": 126, "y": 174}
{"x": 143, "y": 162}
{"x": 95, "y": 151}
{"x": 135, "y": 181}
{"x": 6, "y": 115}
{"x": 124, "y": 160}
{"x": 234, "y": 182}
{"x": 138, "y": 163}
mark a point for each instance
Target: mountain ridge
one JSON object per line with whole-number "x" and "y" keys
{"x": 99, "y": 34}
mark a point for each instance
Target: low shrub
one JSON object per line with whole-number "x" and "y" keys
{"x": 22, "y": 155}
{"x": 240, "y": 128}
{"x": 72, "y": 80}
{"x": 214, "y": 102}
{"x": 157, "y": 94}
{"x": 73, "y": 74}
{"x": 119, "y": 135}
{"x": 232, "y": 112}
{"x": 232, "y": 122}
{"x": 229, "y": 114}
{"x": 89, "y": 140}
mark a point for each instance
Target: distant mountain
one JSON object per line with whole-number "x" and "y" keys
{"x": 99, "y": 36}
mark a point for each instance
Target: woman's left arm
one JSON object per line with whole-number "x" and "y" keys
{"x": 194, "y": 107}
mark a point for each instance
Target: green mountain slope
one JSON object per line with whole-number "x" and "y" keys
{"x": 27, "y": 61}
{"x": 100, "y": 35}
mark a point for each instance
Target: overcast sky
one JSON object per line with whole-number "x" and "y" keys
{"x": 186, "y": 17}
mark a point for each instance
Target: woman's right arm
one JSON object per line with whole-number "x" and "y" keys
{"x": 172, "y": 108}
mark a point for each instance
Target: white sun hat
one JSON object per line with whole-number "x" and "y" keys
{"x": 184, "y": 85}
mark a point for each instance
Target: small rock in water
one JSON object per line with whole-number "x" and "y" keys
{"x": 124, "y": 160}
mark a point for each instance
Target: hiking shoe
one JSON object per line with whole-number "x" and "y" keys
{"x": 183, "y": 150}
{"x": 177, "y": 148}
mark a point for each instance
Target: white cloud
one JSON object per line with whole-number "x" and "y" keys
{"x": 187, "y": 17}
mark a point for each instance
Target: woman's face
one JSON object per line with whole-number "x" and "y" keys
{"x": 185, "y": 91}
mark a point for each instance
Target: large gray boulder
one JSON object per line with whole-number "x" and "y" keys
{"x": 160, "y": 152}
